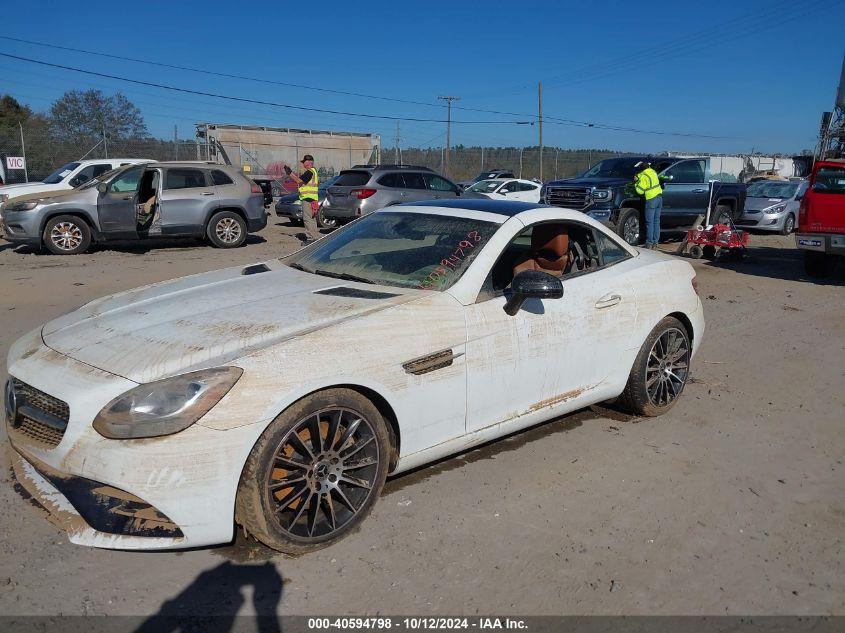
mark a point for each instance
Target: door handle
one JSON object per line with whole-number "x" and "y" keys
{"x": 207, "y": 193}
{"x": 700, "y": 190}
{"x": 608, "y": 301}
{"x": 127, "y": 197}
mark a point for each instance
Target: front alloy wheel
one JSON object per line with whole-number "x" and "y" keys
{"x": 66, "y": 235}
{"x": 324, "y": 470}
{"x": 315, "y": 473}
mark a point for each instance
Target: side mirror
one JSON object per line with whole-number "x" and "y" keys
{"x": 504, "y": 191}
{"x": 102, "y": 187}
{"x": 532, "y": 284}
{"x": 666, "y": 178}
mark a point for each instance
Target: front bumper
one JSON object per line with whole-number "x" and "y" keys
{"x": 22, "y": 227}
{"x": 763, "y": 221}
{"x": 832, "y": 243}
{"x": 182, "y": 486}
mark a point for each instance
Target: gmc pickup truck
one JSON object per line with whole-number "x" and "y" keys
{"x": 606, "y": 192}
{"x": 821, "y": 219}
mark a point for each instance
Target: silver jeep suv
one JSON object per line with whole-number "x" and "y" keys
{"x": 135, "y": 202}
{"x": 367, "y": 188}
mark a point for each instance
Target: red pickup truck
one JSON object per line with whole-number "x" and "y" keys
{"x": 821, "y": 218}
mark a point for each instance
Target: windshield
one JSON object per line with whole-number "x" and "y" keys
{"x": 485, "y": 186}
{"x": 60, "y": 174}
{"x": 772, "y": 189}
{"x": 613, "y": 168}
{"x": 329, "y": 182}
{"x": 411, "y": 250}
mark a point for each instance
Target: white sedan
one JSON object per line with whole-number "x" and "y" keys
{"x": 508, "y": 189}
{"x": 279, "y": 396}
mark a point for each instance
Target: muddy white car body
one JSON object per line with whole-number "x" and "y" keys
{"x": 293, "y": 333}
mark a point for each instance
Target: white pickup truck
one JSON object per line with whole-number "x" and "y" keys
{"x": 67, "y": 177}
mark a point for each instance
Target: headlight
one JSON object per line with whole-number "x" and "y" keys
{"x": 24, "y": 206}
{"x": 601, "y": 194}
{"x": 776, "y": 208}
{"x": 543, "y": 194}
{"x": 166, "y": 406}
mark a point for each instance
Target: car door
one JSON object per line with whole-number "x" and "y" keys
{"x": 528, "y": 192}
{"x": 116, "y": 206}
{"x": 552, "y": 351}
{"x": 685, "y": 193}
{"x": 509, "y": 190}
{"x": 416, "y": 188}
{"x": 187, "y": 198}
{"x": 439, "y": 187}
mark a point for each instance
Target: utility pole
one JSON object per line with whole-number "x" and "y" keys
{"x": 540, "y": 121}
{"x": 482, "y": 158}
{"x": 448, "y": 101}
{"x": 396, "y": 158}
{"x": 23, "y": 151}
{"x": 175, "y": 143}
{"x": 105, "y": 143}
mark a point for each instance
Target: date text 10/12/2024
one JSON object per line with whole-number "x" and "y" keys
{"x": 385, "y": 623}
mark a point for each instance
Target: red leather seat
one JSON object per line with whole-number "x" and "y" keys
{"x": 549, "y": 251}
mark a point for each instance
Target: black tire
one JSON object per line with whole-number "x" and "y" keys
{"x": 323, "y": 222}
{"x": 724, "y": 215}
{"x": 226, "y": 229}
{"x": 319, "y": 479}
{"x": 788, "y": 225}
{"x": 630, "y": 226}
{"x": 709, "y": 251}
{"x": 695, "y": 251}
{"x": 66, "y": 235}
{"x": 670, "y": 339}
{"x": 818, "y": 264}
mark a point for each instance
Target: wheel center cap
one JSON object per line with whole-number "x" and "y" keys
{"x": 321, "y": 470}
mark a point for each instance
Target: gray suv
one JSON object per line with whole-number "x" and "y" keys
{"x": 367, "y": 188}
{"x": 178, "y": 199}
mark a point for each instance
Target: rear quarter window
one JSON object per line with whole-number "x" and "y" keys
{"x": 221, "y": 178}
{"x": 352, "y": 178}
{"x": 830, "y": 180}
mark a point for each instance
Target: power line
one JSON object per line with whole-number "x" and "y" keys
{"x": 239, "y": 99}
{"x": 547, "y": 118}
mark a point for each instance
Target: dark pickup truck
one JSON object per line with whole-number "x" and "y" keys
{"x": 606, "y": 192}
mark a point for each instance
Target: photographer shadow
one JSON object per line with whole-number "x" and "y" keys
{"x": 212, "y": 601}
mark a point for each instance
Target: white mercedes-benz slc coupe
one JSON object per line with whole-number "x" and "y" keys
{"x": 280, "y": 395}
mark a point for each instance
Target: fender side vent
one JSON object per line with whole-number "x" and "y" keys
{"x": 255, "y": 269}
{"x": 432, "y": 362}
{"x": 355, "y": 293}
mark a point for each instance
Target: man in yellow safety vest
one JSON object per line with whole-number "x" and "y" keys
{"x": 647, "y": 184}
{"x": 308, "y": 182}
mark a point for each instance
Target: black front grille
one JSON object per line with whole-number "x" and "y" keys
{"x": 742, "y": 222}
{"x": 570, "y": 197}
{"x": 38, "y": 416}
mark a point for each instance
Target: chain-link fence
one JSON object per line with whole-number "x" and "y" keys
{"x": 44, "y": 153}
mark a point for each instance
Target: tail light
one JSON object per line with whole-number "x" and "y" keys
{"x": 256, "y": 188}
{"x": 695, "y": 285}
{"x": 362, "y": 194}
{"x": 802, "y": 212}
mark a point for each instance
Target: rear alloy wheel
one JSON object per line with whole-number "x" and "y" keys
{"x": 724, "y": 215}
{"x": 788, "y": 225}
{"x": 630, "y": 227}
{"x": 66, "y": 235}
{"x": 323, "y": 222}
{"x": 660, "y": 370}
{"x": 316, "y": 472}
{"x": 226, "y": 229}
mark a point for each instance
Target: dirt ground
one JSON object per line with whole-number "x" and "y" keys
{"x": 731, "y": 504}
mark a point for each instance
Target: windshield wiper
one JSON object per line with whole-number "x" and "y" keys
{"x": 300, "y": 267}
{"x": 344, "y": 276}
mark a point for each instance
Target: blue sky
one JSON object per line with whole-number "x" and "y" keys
{"x": 759, "y": 72}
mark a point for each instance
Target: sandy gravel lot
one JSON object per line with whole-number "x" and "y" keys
{"x": 731, "y": 504}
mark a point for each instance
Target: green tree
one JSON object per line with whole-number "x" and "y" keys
{"x": 80, "y": 117}
{"x": 39, "y": 151}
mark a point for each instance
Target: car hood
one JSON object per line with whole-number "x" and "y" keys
{"x": 209, "y": 319}
{"x": 590, "y": 182}
{"x": 758, "y": 204}
{"x": 27, "y": 189}
{"x": 61, "y": 195}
